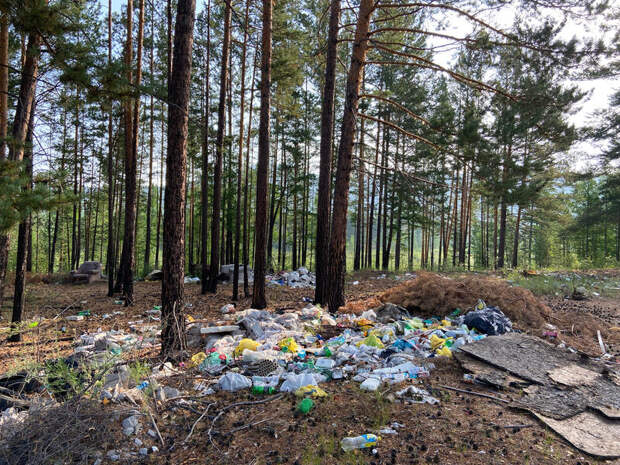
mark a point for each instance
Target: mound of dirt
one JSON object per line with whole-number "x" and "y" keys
{"x": 433, "y": 295}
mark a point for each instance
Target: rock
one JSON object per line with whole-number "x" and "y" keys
{"x": 113, "y": 455}
{"x": 131, "y": 425}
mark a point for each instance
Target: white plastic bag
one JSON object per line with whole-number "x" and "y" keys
{"x": 234, "y": 382}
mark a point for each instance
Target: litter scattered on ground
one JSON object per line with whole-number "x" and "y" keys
{"x": 299, "y": 278}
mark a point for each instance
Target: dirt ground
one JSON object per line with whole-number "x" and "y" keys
{"x": 462, "y": 429}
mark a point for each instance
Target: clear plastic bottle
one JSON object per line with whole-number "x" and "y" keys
{"x": 359, "y": 442}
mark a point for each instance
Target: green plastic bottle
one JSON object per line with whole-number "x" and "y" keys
{"x": 263, "y": 390}
{"x": 305, "y": 406}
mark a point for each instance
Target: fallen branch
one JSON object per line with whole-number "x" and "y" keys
{"x": 473, "y": 393}
{"x": 191, "y": 431}
{"x": 156, "y": 428}
{"x": 13, "y": 400}
{"x": 249, "y": 425}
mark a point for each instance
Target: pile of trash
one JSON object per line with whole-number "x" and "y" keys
{"x": 299, "y": 278}
{"x": 431, "y": 293}
{"x": 299, "y": 350}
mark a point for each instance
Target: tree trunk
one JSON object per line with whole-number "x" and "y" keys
{"x": 372, "y": 202}
{"x": 17, "y": 144}
{"x": 149, "y": 193}
{"x": 515, "y": 249}
{"x": 345, "y": 151}
{"x": 22, "y": 237}
{"x": 258, "y": 297}
{"x": 125, "y": 279}
{"x": 235, "y": 293}
{"x": 214, "y": 267}
{"x": 204, "y": 197}
{"x": 325, "y": 151}
{"x": 4, "y": 115}
{"x": 173, "y": 320}
{"x": 246, "y": 189}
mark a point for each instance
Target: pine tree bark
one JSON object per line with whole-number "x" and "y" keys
{"x": 22, "y": 235}
{"x": 149, "y": 193}
{"x": 173, "y": 320}
{"x": 345, "y": 151}
{"x": 126, "y": 267}
{"x": 325, "y": 153}
{"x": 260, "y": 227}
{"x": 246, "y": 187}
{"x": 204, "y": 195}
{"x": 214, "y": 266}
{"x": 237, "y": 252}
{"x": 17, "y": 144}
{"x": 515, "y": 249}
{"x": 4, "y": 92}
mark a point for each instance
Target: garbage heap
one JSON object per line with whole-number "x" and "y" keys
{"x": 299, "y": 350}
{"x": 299, "y": 278}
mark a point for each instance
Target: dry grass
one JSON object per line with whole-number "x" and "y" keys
{"x": 69, "y": 432}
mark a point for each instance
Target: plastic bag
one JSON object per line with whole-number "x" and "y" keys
{"x": 234, "y": 382}
{"x": 372, "y": 341}
{"x": 198, "y": 358}
{"x": 244, "y": 344}
{"x": 294, "y": 382}
{"x": 288, "y": 344}
{"x": 310, "y": 390}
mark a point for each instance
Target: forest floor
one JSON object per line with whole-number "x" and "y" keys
{"x": 461, "y": 429}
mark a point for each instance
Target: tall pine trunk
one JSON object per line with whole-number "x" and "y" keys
{"x": 4, "y": 93}
{"x": 149, "y": 193}
{"x": 325, "y": 151}
{"x": 22, "y": 130}
{"x": 338, "y": 233}
{"x": 235, "y": 293}
{"x": 260, "y": 227}
{"x": 173, "y": 320}
{"x": 204, "y": 196}
{"x": 125, "y": 279}
{"x": 214, "y": 266}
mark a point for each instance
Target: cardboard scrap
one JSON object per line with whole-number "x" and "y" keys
{"x": 588, "y": 432}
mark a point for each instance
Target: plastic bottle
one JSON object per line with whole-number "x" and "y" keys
{"x": 263, "y": 390}
{"x": 359, "y": 442}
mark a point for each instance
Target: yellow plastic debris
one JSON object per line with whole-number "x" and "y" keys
{"x": 197, "y": 359}
{"x": 246, "y": 343}
{"x": 444, "y": 352}
{"x": 189, "y": 318}
{"x": 364, "y": 323}
{"x": 288, "y": 344}
{"x": 416, "y": 323}
{"x": 372, "y": 341}
{"x": 437, "y": 341}
{"x": 310, "y": 390}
